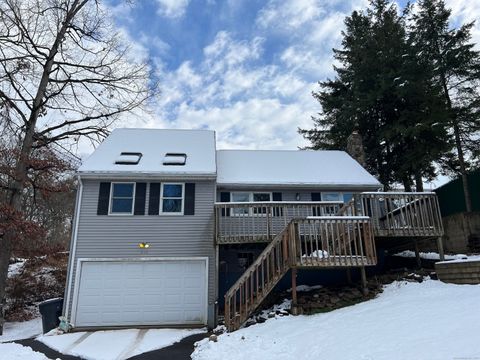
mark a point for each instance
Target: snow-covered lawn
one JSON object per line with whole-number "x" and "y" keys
{"x": 115, "y": 344}
{"x": 21, "y": 330}
{"x": 436, "y": 256}
{"x": 423, "y": 321}
{"x": 19, "y": 352}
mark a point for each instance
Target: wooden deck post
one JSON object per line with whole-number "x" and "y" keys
{"x": 294, "y": 291}
{"x": 363, "y": 275}
{"x": 349, "y": 276}
{"x": 440, "y": 248}
{"x": 417, "y": 254}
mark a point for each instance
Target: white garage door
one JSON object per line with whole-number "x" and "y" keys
{"x": 160, "y": 292}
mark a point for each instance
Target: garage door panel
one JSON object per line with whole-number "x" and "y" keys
{"x": 158, "y": 292}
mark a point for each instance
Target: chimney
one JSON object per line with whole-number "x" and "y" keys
{"x": 355, "y": 147}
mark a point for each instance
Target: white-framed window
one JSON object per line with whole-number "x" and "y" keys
{"x": 172, "y": 198}
{"x": 243, "y": 196}
{"x": 122, "y": 195}
{"x": 332, "y": 196}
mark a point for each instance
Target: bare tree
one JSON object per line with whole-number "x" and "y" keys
{"x": 64, "y": 74}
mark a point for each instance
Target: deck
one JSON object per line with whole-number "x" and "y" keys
{"x": 392, "y": 215}
{"x": 316, "y": 235}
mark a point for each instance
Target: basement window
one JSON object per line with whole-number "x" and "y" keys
{"x": 175, "y": 159}
{"x": 128, "y": 158}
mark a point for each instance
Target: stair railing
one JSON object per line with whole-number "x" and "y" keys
{"x": 259, "y": 279}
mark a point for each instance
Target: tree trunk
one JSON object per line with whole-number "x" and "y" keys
{"x": 418, "y": 181}
{"x": 458, "y": 145}
{"x": 18, "y": 184}
{"x": 407, "y": 184}
{"x": 463, "y": 170}
{"x": 15, "y": 202}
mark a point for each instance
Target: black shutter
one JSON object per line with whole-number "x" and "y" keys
{"x": 103, "y": 198}
{"x": 154, "y": 199}
{"x": 316, "y": 197}
{"x": 225, "y": 197}
{"x": 140, "y": 192}
{"x": 189, "y": 207}
{"x": 277, "y": 196}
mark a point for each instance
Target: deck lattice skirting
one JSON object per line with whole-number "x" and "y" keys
{"x": 316, "y": 235}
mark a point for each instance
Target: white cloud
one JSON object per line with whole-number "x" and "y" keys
{"x": 289, "y": 14}
{"x": 252, "y": 103}
{"x": 465, "y": 11}
{"x": 172, "y": 8}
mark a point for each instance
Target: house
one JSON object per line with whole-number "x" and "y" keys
{"x": 161, "y": 215}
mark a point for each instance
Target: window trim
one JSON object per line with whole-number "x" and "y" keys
{"x": 250, "y": 200}
{"x": 160, "y": 205}
{"x": 110, "y": 199}
{"x": 340, "y": 195}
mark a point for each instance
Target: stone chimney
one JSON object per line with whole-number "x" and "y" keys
{"x": 355, "y": 147}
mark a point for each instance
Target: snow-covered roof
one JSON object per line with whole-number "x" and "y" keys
{"x": 153, "y": 145}
{"x": 291, "y": 168}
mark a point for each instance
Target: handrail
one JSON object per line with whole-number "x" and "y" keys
{"x": 258, "y": 280}
{"x": 314, "y": 242}
{"x": 241, "y": 222}
{"x": 402, "y": 214}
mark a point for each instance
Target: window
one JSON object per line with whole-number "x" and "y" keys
{"x": 250, "y": 197}
{"x": 331, "y": 196}
{"x": 261, "y": 197}
{"x": 171, "y": 199}
{"x": 128, "y": 158}
{"x": 178, "y": 159}
{"x": 240, "y": 197}
{"x": 121, "y": 198}
{"x": 347, "y": 197}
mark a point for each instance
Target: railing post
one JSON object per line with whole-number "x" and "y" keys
{"x": 268, "y": 209}
{"x": 440, "y": 248}
{"x": 294, "y": 307}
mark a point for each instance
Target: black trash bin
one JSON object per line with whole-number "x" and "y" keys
{"x": 50, "y": 310}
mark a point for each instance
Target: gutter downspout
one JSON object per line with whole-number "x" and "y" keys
{"x": 73, "y": 248}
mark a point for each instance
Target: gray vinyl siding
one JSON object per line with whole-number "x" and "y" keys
{"x": 107, "y": 236}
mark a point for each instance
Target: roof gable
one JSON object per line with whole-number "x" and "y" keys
{"x": 153, "y": 145}
{"x": 291, "y": 167}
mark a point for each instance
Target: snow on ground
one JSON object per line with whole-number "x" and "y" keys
{"x": 115, "y": 344}
{"x": 423, "y": 321}
{"x": 19, "y": 352}
{"x": 21, "y": 330}
{"x": 436, "y": 256}
{"x": 15, "y": 268}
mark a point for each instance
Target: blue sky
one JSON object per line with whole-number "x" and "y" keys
{"x": 243, "y": 68}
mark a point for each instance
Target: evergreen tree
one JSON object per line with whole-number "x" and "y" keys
{"x": 381, "y": 90}
{"x": 456, "y": 70}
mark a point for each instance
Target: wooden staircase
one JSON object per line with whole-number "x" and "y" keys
{"x": 314, "y": 242}
{"x": 301, "y": 236}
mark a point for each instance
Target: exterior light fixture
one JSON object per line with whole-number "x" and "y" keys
{"x": 143, "y": 245}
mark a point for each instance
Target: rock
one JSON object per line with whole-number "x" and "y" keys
{"x": 213, "y": 338}
{"x": 433, "y": 275}
{"x": 271, "y": 314}
{"x": 261, "y": 319}
{"x": 250, "y": 322}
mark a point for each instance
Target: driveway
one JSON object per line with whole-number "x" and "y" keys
{"x": 180, "y": 350}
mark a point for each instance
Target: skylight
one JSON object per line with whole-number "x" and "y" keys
{"x": 178, "y": 159}
{"x": 128, "y": 158}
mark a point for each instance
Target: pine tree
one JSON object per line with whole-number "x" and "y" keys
{"x": 456, "y": 65}
{"x": 380, "y": 89}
